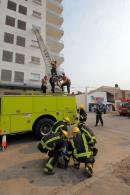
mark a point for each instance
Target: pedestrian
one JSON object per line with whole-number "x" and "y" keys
{"x": 66, "y": 82}
{"x": 129, "y": 110}
{"x": 104, "y": 108}
{"x": 81, "y": 153}
{"x": 61, "y": 125}
{"x": 82, "y": 113}
{"x": 44, "y": 84}
{"x": 54, "y": 145}
{"x": 98, "y": 115}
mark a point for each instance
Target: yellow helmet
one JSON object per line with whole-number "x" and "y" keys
{"x": 75, "y": 130}
{"x": 66, "y": 119}
{"x": 65, "y": 133}
{"x": 81, "y": 106}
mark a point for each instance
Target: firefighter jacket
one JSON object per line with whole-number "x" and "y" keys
{"x": 82, "y": 115}
{"x": 59, "y": 126}
{"x": 79, "y": 147}
{"x": 91, "y": 138}
{"x": 54, "y": 141}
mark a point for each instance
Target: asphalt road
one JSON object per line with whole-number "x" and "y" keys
{"x": 21, "y": 164}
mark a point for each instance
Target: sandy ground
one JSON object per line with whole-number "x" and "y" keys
{"x": 21, "y": 165}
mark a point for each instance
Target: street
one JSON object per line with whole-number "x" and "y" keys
{"x": 21, "y": 165}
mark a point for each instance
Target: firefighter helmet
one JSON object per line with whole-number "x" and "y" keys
{"x": 75, "y": 130}
{"x": 65, "y": 133}
{"x": 67, "y": 120}
{"x": 81, "y": 106}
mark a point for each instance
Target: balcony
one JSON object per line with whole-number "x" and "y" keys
{"x": 39, "y": 2}
{"x": 54, "y": 6}
{"x": 54, "y": 45}
{"x": 53, "y": 31}
{"x": 54, "y": 18}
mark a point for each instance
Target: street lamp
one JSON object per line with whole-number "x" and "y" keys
{"x": 116, "y": 86}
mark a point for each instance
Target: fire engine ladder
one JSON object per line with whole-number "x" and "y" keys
{"x": 45, "y": 54}
{"x": 44, "y": 51}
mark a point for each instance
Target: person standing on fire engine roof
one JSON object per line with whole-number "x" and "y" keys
{"x": 82, "y": 114}
{"x": 98, "y": 115}
{"x": 52, "y": 83}
{"x": 53, "y": 69}
{"x": 66, "y": 82}
{"x": 61, "y": 125}
{"x": 44, "y": 84}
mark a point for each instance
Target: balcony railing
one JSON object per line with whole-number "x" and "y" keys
{"x": 55, "y": 40}
{"x": 55, "y": 27}
{"x": 56, "y": 14}
{"x": 57, "y": 3}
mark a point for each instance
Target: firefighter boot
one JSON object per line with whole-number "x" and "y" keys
{"x": 89, "y": 169}
{"x": 48, "y": 172}
{"x": 49, "y": 167}
{"x": 76, "y": 164}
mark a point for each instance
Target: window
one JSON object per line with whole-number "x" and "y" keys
{"x": 35, "y": 60}
{"x": 8, "y": 38}
{"x": 22, "y": 10}
{"x": 38, "y": 1}
{"x": 20, "y": 41}
{"x": 34, "y": 43}
{"x": 6, "y": 75}
{"x": 36, "y": 14}
{"x": 35, "y": 77}
{"x": 11, "y": 5}
{"x": 21, "y": 25}
{"x": 10, "y": 21}
{"x": 7, "y": 56}
{"x": 19, "y": 58}
{"x": 19, "y": 76}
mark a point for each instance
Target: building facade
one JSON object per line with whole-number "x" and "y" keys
{"x": 21, "y": 62}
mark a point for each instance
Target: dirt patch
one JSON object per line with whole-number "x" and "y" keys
{"x": 122, "y": 170}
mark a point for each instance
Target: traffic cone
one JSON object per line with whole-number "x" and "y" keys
{"x": 4, "y": 143}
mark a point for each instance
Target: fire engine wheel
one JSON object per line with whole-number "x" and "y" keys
{"x": 43, "y": 127}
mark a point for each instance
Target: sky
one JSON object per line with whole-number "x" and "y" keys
{"x": 97, "y": 42}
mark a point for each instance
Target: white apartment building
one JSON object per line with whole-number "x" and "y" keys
{"x": 21, "y": 62}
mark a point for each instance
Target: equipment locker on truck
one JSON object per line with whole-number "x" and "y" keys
{"x": 34, "y": 113}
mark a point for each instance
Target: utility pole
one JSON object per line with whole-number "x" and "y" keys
{"x": 115, "y": 87}
{"x": 86, "y": 98}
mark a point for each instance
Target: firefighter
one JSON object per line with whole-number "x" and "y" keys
{"x": 54, "y": 145}
{"x": 61, "y": 125}
{"x": 80, "y": 151}
{"x": 44, "y": 84}
{"x": 91, "y": 138}
{"x": 66, "y": 82}
{"x": 98, "y": 115}
{"x": 82, "y": 113}
{"x": 53, "y": 69}
{"x": 52, "y": 83}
